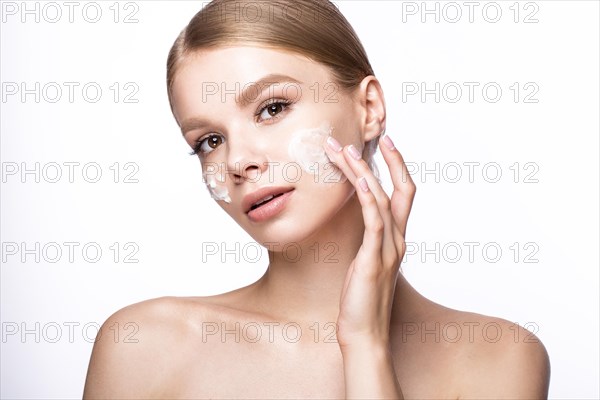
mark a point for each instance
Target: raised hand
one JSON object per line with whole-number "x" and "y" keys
{"x": 368, "y": 291}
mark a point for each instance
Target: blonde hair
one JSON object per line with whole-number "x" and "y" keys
{"x": 313, "y": 28}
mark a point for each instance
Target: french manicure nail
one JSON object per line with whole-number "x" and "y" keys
{"x": 388, "y": 142}
{"x": 362, "y": 182}
{"x": 353, "y": 152}
{"x": 334, "y": 144}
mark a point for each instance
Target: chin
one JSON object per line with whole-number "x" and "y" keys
{"x": 285, "y": 232}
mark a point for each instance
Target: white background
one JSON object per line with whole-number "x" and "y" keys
{"x": 168, "y": 214}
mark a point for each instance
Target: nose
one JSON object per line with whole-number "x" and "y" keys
{"x": 246, "y": 160}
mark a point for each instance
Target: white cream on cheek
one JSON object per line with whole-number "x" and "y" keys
{"x": 217, "y": 191}
{"x": 306, "y": 148}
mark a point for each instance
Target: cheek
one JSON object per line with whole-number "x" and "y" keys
{"x": 214, "y": 178}
{"x": 306, "y": 149}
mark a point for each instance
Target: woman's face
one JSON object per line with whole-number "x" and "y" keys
{"x": 258, "y": 119}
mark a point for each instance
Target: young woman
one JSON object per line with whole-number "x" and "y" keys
{"x": 279, "y": 102}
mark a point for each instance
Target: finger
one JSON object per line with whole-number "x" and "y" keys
{"x": 333, "y": 149}
{"x": 352, "y": 165}
{"x": 370, "y": 250}
{"x": 360, "y": 168}
{"x": 350, "y": 162}
{"x": 404, "y": 187}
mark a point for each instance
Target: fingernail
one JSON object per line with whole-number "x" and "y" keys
{"x": 334, "y": 144}
{"x": 388, "y": 142}
{"x": 362, "y": 182}
{"x": 353, "y": 152}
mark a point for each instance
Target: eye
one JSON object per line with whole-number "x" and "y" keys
{"x": 272, "y": 109}
{"x": 207, "y": 145}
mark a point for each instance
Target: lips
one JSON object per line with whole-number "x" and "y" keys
{"x": 262, "y": 196}
{"x": 263, "y": 201}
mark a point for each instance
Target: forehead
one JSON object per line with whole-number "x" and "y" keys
{"x": 246, "y": 63}
{"x": 238, "y": 66}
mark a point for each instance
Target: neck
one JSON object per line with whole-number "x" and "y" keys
{"x": 305, "y": 282}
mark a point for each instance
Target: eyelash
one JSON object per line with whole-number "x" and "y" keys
{"x": 283, "y": 102}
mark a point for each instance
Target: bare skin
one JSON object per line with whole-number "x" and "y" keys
{"x": 172, "y": 359}
{"x": 314, "y": 327}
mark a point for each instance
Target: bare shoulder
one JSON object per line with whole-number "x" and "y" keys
{"x": 505, "y": 360}
{"x": 138, "y": 346}
{"x": 491, "y": 357}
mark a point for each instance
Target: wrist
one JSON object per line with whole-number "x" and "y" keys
{"x": 379, "y": 349}
{"x": 369, "y": 371}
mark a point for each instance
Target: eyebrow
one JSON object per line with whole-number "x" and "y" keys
{"x": 264, "y": 83}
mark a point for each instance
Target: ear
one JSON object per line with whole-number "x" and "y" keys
{"x": 372, "y": 106}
